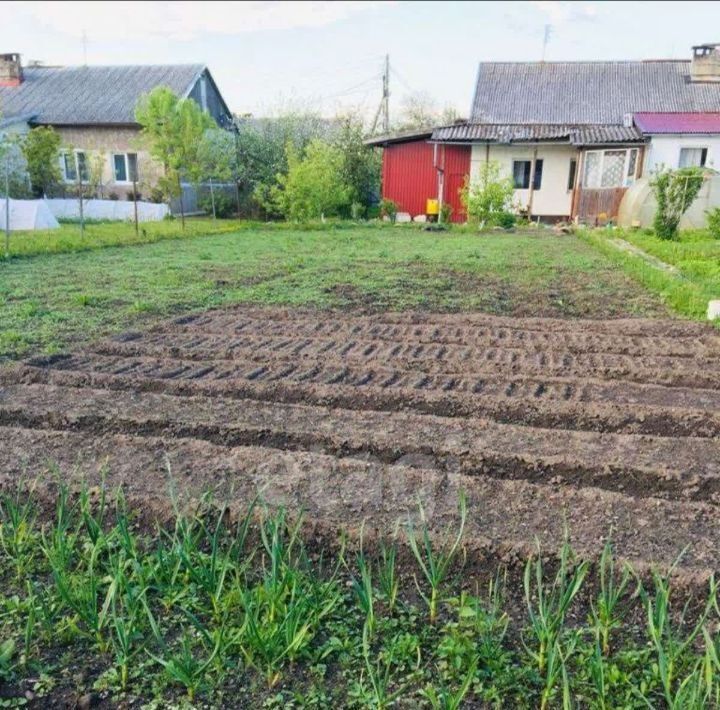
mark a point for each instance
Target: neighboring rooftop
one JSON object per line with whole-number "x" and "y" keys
{"x": 98, "y": 95}
{"x": 655, "y": 123}
{"x": 587, "y": 92}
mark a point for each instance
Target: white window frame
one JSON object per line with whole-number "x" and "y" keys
{"x": 706, "y": 148}
{"x": 73, "y": 181}
{"x": 127, "y": 168}
{"x": 627, "y": 179}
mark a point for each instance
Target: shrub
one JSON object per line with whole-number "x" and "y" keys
{"x": 313, "y": 186}
{"x": 388, "y": 209}
{"x": 446, "y": 212}
{"x": 675, "y": 191}
{"x": 225, "y": 206}
{"x": 486, "y": 198}
{"x": 506, "y": 220}
{"x": 713, "y": 222}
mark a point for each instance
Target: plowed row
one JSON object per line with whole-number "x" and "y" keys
{"x": 604, "y": 427}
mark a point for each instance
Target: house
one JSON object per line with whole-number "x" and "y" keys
{"x": 93, "y": 110}
{"x": 573, "y": 136}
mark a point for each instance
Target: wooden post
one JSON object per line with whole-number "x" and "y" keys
{"x": 212, "y": 198}
{"x": 137, "y": 230}
{"x": 182, "y": 208}
{"x": 80, "y": 197}
{"x": 532, "y": 183}
{"x": 7, "y": 205}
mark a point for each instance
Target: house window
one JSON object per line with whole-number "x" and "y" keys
{"x": 124, "y": 167}
{"x": 692, "y": 157}
{"x": 571, "y": 174}
{"x": 610, "y": 168}
{"x": 521, "y": 174}
{"x": 71, "y": 163}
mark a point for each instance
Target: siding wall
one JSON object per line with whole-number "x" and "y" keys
{"x": 553, "y": 199}
{"x": 665, "y": 150}
{"x": 410, "y": 176}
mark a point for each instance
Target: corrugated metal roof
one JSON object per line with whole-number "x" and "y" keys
{"x": 400, "y": 137}
{"x": 586, "y": 92}
{"x": 518, "y": 133}
{"x": 92, "y": 95}
{"x": 678, "y": 122}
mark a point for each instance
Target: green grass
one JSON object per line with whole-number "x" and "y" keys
{"x": 51, "y": 302}
{"x": 214, "y": 611}
{"x": 102, "y": 234}
{"x": 696, "y": 254}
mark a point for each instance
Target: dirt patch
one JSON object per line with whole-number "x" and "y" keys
{"x": 606, "y": 427}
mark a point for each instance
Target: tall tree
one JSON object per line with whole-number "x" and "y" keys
{"x": 41, "y": 148}
{"x": 172, "y": 130}
{"x": 216, "y": 159}
{"x": 360, "y": 167}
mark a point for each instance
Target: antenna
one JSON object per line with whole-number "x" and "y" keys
{"x": 546, "y": 40}
{"x": 85, "y": 44}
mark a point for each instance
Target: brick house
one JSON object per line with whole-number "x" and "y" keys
{"x": 93, "y": 110}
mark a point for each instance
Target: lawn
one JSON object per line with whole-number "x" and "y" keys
{"x": 51, "y": 302}
{"x": 695, "y": 254}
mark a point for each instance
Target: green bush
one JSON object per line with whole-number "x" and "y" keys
{"x": 225, "y": 206}
{"x": 388, "y": 209}
{"x": 675, "y": 191}
{"x": 488, "y": 197}
{"x": 713, "y": 222}
{"x": 506, "y": 220}
{"x": 446, "y": 213}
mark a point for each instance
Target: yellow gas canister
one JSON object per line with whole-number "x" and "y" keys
{"x": 432, "y": 207}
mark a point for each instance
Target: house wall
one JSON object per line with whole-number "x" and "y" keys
{"x": 409, "y": 177}
{"x": 208, "y": 98}
{"x": 553, "y": 199}
{"x": 665, "y": 150}
{"x": 104, "y": 141}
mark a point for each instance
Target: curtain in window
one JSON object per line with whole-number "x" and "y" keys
{"x": 691, "y": 157}
{"x": 613, "y": 168}
{"x": 591, "y": 173}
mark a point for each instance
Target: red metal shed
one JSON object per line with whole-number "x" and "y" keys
{"x": 414, "y": 171}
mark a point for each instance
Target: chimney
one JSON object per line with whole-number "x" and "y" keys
{"x": 706, "y": 62}
{"x": 11, "y": 73}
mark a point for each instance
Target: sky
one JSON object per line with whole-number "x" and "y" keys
{"x": 328, "y": 56}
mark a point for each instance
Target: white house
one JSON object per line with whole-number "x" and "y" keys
{"x": 573, "y": 136}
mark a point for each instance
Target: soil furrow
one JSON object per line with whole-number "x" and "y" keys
{"x": 485, "y": 336}
{"x": 671, "y": 371}
{"x": 443, "y": 322}
{"x": 507, "y": 407}
{"x": 347, "y": 493}
{"x": 641, "y": 465}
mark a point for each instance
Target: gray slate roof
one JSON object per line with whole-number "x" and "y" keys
{"x": 517, "y": 133}
{"x": 91, "y": 95}
{"x": 586, "y": 92}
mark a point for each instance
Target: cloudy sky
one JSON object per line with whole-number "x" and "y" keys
{"x": 329, "y": 55}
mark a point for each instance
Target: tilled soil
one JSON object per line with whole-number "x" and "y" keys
{"x": 598, "y": 427}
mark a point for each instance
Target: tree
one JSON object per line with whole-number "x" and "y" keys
{"x": 675, "y": 191}
{"x": 488, "y": 197}
{"x": 360, "y": 167}
{"x": 41, "y": 148}
{"x": 420, "y": 110}
{"x": 216, "y": 158}
{"x": 313, "y": 187}
{"x": 172, "y": 129}
{"x": 13, "y": 168}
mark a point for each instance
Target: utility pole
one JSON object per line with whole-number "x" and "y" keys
{"x": 384, "y": 107}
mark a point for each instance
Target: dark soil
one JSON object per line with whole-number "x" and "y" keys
{"x": 603, "y": 427}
